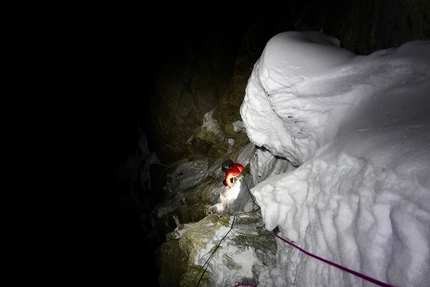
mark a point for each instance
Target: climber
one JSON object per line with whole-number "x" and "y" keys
{"x": 232, "y": 171}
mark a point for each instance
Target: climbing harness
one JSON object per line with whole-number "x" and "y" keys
{"x": 370, "y": 279}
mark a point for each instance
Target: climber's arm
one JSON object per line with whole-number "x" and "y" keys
{"x": 228, "y": 178}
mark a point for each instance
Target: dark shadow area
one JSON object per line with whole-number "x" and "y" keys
{"x": 73, "y": 74}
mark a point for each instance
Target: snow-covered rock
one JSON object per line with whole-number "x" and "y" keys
{"x": 219, "y": 251}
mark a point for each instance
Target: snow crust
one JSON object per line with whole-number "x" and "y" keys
{"x": 357, "y": 131}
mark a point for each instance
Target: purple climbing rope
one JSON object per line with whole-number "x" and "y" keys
{"x": 374, "y": 281}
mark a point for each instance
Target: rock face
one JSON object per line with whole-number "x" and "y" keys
{"x": 206, "y": 70}
{"x": 191, "y": 80}
{"x": 365, "y": 26}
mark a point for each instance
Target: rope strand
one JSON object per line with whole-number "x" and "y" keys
{"x": 374, "y": 281}
{"x": 250, "y": 194}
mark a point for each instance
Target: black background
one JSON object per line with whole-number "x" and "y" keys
{"x": 74, "y": 77}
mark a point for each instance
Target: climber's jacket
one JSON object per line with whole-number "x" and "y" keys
{"x": 232, "y": 173}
